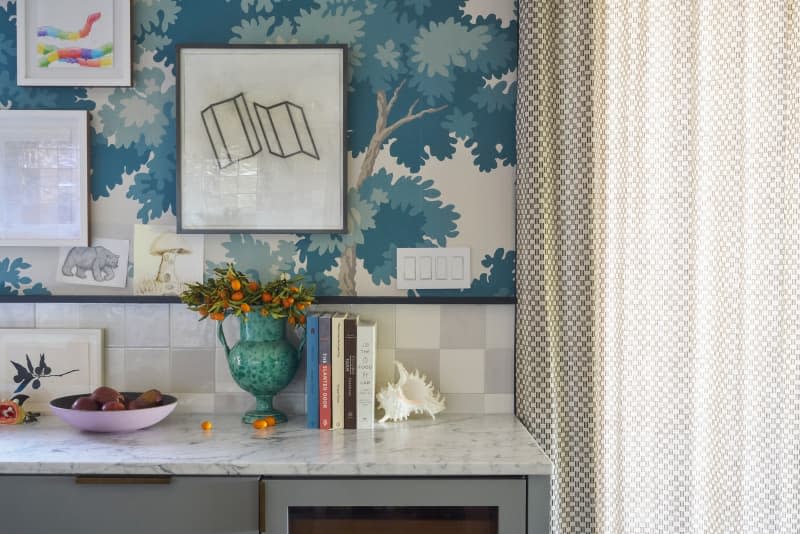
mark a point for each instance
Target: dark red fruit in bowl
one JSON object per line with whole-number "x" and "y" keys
{"x": 105, "y": 394}
{"x": 113, "y": 406}
{"x": 85, "y": 403}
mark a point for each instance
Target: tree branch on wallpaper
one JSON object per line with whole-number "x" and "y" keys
{"x": 347, "y": 261}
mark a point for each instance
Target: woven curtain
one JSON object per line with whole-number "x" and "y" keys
{"x": 659, "y": 261}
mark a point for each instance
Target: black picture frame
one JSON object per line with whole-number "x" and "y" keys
{"x": 256, "y": 124}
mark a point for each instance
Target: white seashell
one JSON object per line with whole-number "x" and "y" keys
{"x": 412, "y": 394}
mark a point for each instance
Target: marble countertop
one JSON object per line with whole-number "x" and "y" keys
{"x": 477, "y": 445}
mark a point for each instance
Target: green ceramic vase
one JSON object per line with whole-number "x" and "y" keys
{"x": 262, "y": 363}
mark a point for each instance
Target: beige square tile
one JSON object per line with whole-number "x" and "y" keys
{"x": 499, "y": 371}
{"x": 461, "y": 370}
{"x": 464, "y": 403}
{"x": 384, "y": 368}
{"x": 499, "y": 403}
{"x": 146, "y": 369}
{"x": 500, "y": 326}
{"x": 109, "y": 317}
{"x": 463, "y": 326}
{"x": 417, "y": 326}
{"x": 193, "y": 370}
{"x": 56, "y": 315}
{"x": 426, "y": 360}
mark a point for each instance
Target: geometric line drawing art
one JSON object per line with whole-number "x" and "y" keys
{"x": 231, "y": 131}
{"x": 286, "y": 130}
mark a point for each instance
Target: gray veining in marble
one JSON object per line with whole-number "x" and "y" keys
{"x": 475, "y": 445}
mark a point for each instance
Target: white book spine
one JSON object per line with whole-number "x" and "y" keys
{"x": 337, "y": 372}
{"x": 365, "y": 374}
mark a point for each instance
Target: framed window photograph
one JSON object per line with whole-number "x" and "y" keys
{"x": 261, "y": 144}
{"x": 74, "y": 42}
{"x": 44, "y": 178}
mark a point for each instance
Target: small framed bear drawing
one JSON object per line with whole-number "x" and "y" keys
{"x": 104, "y": 263}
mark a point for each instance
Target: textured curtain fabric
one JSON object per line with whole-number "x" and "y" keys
{"x": 554, "y": 249}
{"x": 658, "y": 345}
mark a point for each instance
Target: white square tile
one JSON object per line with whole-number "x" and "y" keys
{"x": 461, "y": 370}
{"x": 417, "y": 326}
{"x": 114, "y": 369}
{"x": 500, "y": 326}
{"x": 230, "y": 328}
{"x": 147, "y": 325}
{"x": 223, "y": 381}
{"x": 109, "y": 317}
{"x": 290, "y": 403}
{"x": 189, "y": 332}
{"x": 195, "y": 403}
{"x": 499, "y": 403}
{"x": 17, "y": 316}
{"x": 237, "y": 403}
{"x": 147, "y": 369}
{"x": 56, "y": 315}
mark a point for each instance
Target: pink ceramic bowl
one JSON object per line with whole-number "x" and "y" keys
{"x": 119, "y": 421}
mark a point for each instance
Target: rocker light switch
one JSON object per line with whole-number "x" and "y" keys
{"x": 410, "y": 270}
{"x": 458, "y": 268}
{"x": 441, "y": 268}
{"x": 425, "y": 268}
{"x": 433, "y": 268}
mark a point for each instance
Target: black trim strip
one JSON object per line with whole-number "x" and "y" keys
{"x": 325, "y": 300}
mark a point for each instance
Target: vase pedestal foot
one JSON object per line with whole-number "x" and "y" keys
{"x": 263, "y": 409}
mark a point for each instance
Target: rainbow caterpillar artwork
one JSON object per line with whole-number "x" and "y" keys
{"x": 84, "y": 57}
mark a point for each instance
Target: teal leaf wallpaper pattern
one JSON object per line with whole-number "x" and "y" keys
{"x": 431, "y": 98}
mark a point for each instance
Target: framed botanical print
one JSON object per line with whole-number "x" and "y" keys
{"x": 261, "y": 144}
{"x": 44, "y": 178}
{"x": 74, "y": 42}
{"x": 43, "y": 364}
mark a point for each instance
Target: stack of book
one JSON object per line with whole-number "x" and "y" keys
{"x": 340, "y": 371}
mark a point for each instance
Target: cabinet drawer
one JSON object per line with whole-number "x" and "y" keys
{"x": 68, "y": 504}
{"x": 436, "y": 505}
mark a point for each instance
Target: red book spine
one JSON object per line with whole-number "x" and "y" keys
{"x": 325, "y": 372}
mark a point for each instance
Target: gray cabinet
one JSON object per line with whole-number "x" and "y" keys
{"x": 33, "y": 504}
{"x": 361, "y": 505}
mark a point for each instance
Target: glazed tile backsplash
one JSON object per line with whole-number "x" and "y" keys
{"x": 466, "y": 350}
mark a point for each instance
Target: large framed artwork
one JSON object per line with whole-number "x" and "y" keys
{"x": 43, "y": 364}
{"x": 74, "y": 42}
{"x": 261, "y": 143}
{"x": 44, "y": 178}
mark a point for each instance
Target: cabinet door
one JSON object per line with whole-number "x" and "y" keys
{"x": 121, "y": 505}
{"x": 394, "y": 506}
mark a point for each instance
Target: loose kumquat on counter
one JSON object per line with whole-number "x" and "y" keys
{"x": 206, "y": 425}
{"x": 260, "y": 424}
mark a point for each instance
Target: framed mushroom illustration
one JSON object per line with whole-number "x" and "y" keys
{"x": 163, "y": 261}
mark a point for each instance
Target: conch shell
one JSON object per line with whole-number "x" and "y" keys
{"x": 412, "y": 394}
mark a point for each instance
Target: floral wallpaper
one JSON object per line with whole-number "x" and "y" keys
{"x": 432, "y": 88}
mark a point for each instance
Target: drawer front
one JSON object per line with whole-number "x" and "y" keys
{"x": 393, "y": 505}
{"x": 67, "y": 504}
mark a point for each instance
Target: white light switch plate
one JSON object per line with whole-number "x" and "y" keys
{"x": 433, "y": 268}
